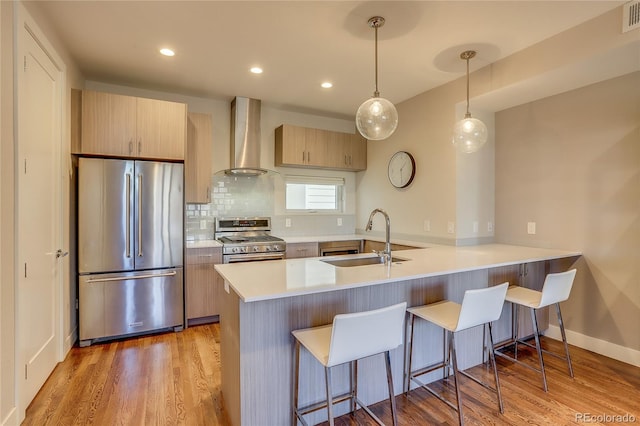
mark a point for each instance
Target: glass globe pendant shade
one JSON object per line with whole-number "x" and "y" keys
{"x": 376, "y": 119}
{"x": 469, "y": 134}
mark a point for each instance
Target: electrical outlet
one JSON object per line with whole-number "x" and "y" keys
{"x": 427, "y": 225}
{"x": 451, "y": 227}
{"x": 489, "y": 226}
{"x": 475, "y": 227}
{"x": 287, "y": 223}
{"x": 203, "y": 224}
{"x": 531, "y": 228}
{"x": 339, "y": 221}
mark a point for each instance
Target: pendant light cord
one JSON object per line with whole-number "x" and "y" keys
{"x": 467, "y": 114}
{"x": 376, "y": 94}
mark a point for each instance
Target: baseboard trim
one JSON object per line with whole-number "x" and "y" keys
{"x": 69, "y": 341}
{"x": 11, "y": 419}
{"x": 602, "y": 347}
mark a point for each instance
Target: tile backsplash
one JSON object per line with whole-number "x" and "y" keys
{"x": 248, "y": 197}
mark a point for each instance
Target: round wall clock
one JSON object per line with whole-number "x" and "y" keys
{"x": 402, "y": 169}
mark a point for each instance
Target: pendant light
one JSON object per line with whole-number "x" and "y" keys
{"x": 469, "y": 134}
{"x": 377, "y": 117}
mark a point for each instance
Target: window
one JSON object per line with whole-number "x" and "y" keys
{"x": 314, "y": 194}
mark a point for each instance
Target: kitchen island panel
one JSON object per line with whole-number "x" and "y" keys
{"x": 257, "y": 346}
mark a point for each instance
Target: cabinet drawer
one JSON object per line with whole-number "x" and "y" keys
{"x": 296, "y": 250}
{"x": 197, "y": 256}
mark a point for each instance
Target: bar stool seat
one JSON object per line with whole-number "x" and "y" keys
{"x": 351, "y": 337}
{"x": 479, "y": 307}
{"x": 556, "y": 289}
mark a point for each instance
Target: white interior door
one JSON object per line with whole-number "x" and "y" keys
{"x": 38, "y": 217}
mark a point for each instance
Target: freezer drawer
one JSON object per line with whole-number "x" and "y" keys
{"x": 113, "y": 305}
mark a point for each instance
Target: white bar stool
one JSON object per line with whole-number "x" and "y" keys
{"x": 556, "y": 289}
{"x": 351, "y": 337}
{"x": 479, "y": 307}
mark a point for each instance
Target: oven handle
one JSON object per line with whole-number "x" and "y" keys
{"x": 237, "y": 258}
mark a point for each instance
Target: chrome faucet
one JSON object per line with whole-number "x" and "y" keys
{"x": 386, "y": 254}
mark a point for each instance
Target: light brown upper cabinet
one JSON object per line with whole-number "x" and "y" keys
{"x": 197, "y": 161}
{"x": 126, "y": 126}
{"x": 315, "y": 148}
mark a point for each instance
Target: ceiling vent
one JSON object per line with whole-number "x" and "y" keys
{"x": 631, "y": 16}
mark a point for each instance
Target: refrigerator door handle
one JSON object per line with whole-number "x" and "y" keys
{"x": 131, "y": 277}
{"x": 140, "y": 215}
{"x": 128, "y": 218}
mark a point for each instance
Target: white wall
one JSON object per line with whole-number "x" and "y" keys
{"x": 8, "y": 414}
{"x": 571, "y": 164}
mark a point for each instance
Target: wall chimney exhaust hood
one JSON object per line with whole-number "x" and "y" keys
{"x": 245, "y": 138}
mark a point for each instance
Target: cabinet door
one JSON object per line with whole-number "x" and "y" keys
{"x": 357, "y": 152}
{"x": 336, "y": 150}
{"x": 197, "y": 162}
{"x": 161, "y": 129}
{"x": 290, "y": 146}
{"x": 297, "y": 250}
{"x": 201, "y": 282}
{"x": 316, "y": 148}
{"x": 108, "y": 124}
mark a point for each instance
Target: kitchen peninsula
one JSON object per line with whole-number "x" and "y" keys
{"x": 262, "y": 302}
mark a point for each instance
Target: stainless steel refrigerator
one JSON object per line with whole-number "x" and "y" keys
{"x": 130, "y": 247}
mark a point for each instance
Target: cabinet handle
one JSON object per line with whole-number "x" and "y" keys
{"x": 208, "y": 196}
{"x": 350, "y": 160}
{"x": 308, "y": 156}
{"x": 130, "y": 146}
{"x": 140, "y": 146}
{"x": 303, "y": 154}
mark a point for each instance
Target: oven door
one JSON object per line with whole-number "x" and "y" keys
{"x": 250, "y": 257}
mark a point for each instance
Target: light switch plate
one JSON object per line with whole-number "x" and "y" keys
{"x": 531, "y": 228}
{"x": 287, "y": 223}
{"x": 339, "y": 221}
{"x": 451, "y": 227}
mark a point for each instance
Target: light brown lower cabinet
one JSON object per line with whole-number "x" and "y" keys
{"x": 201, "y": 282}
{"x": 295, "y": 250}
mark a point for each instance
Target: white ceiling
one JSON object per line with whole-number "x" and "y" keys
{"x": 300, "y": 44}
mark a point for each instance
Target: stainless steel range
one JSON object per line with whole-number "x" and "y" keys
{"x": 248, "y": 240}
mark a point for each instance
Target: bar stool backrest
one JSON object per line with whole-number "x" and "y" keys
{"x": 556, "y": 287}
{"x": 362, "y": 334}
{"x": 481, "y": 306}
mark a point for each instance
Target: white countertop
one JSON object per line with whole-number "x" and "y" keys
{"x": 202, "y": 244}
{"x": 256, "y": 281}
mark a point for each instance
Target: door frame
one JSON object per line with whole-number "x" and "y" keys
{"x": 25, "y": 23}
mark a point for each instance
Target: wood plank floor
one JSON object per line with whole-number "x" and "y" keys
{"x": 174, "y": 379}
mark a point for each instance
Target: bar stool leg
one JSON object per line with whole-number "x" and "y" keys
{"x": 492, "y": 357}
{"x": 352, "y": 389}
{"x": 446, "y": 369}
{"x": 516, "y": 315}
{"x": 454, "y": 359}
{"x": 407, "y": 375}
{"x": 564, "y": 339}
{"x": 534, "y": 320}
{"x": 392, "y": 398}
{"x": 296, "y": 375}
{"x": 327, "y": 375}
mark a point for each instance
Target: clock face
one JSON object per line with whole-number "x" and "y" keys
{"x": 402, "y": 169}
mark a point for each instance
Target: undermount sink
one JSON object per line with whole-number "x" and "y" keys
{"x": 361, "y": 261}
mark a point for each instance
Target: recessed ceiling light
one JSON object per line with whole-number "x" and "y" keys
{"x": 167, "y": 52}
{"x": 256, "y": 70}
{"x": 327, "y": 85}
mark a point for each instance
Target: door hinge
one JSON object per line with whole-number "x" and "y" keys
{"x": 25, "y": 63}
{"x": 25, "y": 269}
{"x": 25, "y": 166}
{"x": 77, "y": 304}
{"x": 26, "y": 372}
